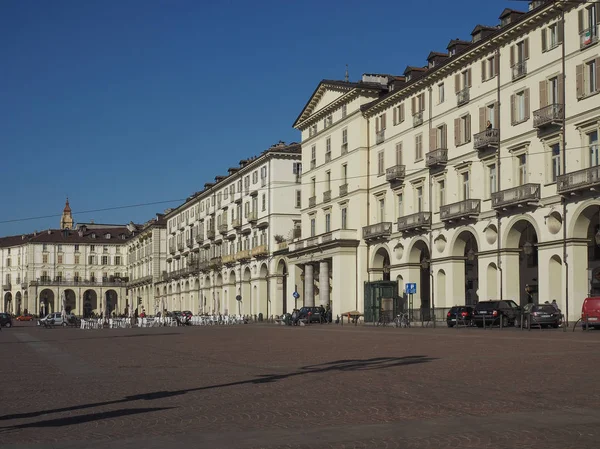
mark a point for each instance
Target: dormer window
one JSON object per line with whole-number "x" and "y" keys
{"x": 107, "y": 235}
{"x": 93, "y": 235}
{"x": 408, "y": 77}
{"x": 123, "y": 236}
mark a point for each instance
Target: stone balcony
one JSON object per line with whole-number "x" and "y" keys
{"x": 380, "y": 137}
{"x": 6, "y": 287}
{"x": 236, "y": 223}
{"x": 519, "y": 196}
{"x": 549, "y": 115}
{"x": 242, "y": 255}
{"x": 327, "y": 196}
{"x": 417, "y": 119}
{"x": 260, "y": 251}
{"x": 172, "y": 249}
{"x": 222, "y": 228}
{"x": 189, "y": 242}
{"x": 490, "y": 138}
{"x": 200, "y": 236}
{"x": 180, "y": 246}
{"x": 228, "y": 259}
{"x": 461, "y": 210}
{"x": 579, "y": 181}
{"x": 414, "y": 222}
{"x": 252, "y": 216}
{"x": 344, "y": 190}
{"x": 436, "y": 158}
{"x": 378, "y": 231}
{"x": 312, "y": 201}
{"x": 210, "y": 234}
{"x": 326, "y": 238}
{"x": 395, "y": 173}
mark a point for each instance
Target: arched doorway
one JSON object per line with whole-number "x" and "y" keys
{"x": 381, "y": 265}
{"x": 8, "y": 305}
{"x": 110, "y": 298}
{"x": 523, "y": 236}
{"x": 71, "y": 301}
{"x": 466, "y": 248}
{"x": 19, "y": 303}
{"x": 46, "y": 302}
{"x": 90, "y": 303}
{"x": 246, "y": 292}
{"x": 420, "y": 260}
{"x": 587, "y": 226}
{"x": 282, "y": 274}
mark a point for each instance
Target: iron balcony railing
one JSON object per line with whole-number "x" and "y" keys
{"x": 172, "y": 249}
{"x": 189, "y": 242}
{"x": 228, "y": 259}
{"x": 516, "y": 196}
{"x": 327, "y": 196}
{"x": 519, "y": 70}
{"x": 180, "y": 246}
{"x": 585, "y": 179}
{"x": 344, "y": 148}
{"x": 252, "y": 215}
{"x": 200, "y": 236}
{"x": 380, "y": 137}
{"x": 417, "y": 119}
{"x": 436, "y": 158}
{"x": 395, "y": 173}
{"x": 461, "y": 210}
{"x": 411, "y": 222}
{"x": 588, "y": 37}
{"x": 222, "y": 228}
{"x": 344, "y": 190}
{"x": 7, "y": 286}
{"x": 110, "y": 282}
{"x": 260, "y": 250}
{"x": 242, "y": 255}
{"x": 486, "y": 139}
{"x": 236, "y": 223}
{"x": 312, "y": 201}
{"x": 548, "y": 115}
{"x": 328, "y": 156}
{"x": 210, "y": 233}
{"x": 463, "y": 96}
{"x": 377, "y": 231}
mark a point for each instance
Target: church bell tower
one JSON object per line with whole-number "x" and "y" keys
{"x": 66, "y": 221}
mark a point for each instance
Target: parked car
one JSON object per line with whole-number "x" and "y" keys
{"x": 590, "y": 312}
{"x": 315, "y": 314}
{"x": 57, "y": 319}
{"x": 464, "y": 314}
{"x": 495, "y": 313}
{"x": 5, "y": 320}
{"x": 25, "y": 317}
{"x": 539, "y": 315}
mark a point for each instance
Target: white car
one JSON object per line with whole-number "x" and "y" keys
{"x": 57, "y": 319}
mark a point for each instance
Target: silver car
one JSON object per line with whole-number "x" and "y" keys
{"x": 57, "y": 319}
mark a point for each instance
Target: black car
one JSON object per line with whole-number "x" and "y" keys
{"x": 463, "y": 313}
{"x": 313, "y": 312}
{"x": 499, "y": 312}
{"x": 542, "y": 315}
{"x": 5, "y": 320}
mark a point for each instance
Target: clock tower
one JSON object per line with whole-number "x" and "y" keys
{"x": 66, "y": 221}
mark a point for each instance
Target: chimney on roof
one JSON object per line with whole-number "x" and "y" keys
{"x": 92, "y": 221}
{"x": 49, "y": 231}
{"x": 23, "y": 237}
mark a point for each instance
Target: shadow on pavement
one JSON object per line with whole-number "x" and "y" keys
{"x": 346, "y": 365}
{"x": 81, "y": 419}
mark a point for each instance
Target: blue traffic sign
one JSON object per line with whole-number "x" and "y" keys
{"x": 411, "y": 288}
{"x": 296, "y": 295}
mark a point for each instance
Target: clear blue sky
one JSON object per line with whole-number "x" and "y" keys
{"x": 125, "y": 102}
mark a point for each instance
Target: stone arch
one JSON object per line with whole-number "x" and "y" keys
{"x": 18, "y": 304}
{"x": 514, "y": 229}
{"x": 281, "y": 267}
{"x": 111, "y": 299}
{"x": 381, "y": 262}
{"x": 461, "y": 238}
{"x": 8, "y": 302}
{"x": 583, "y": 216}
{"x": 90, "y": 303}
{"x": 46, "y": 299}
{"x": 71, "y": 301}
{"x": 264, "y": 271}
{"x": 416, "y": 247}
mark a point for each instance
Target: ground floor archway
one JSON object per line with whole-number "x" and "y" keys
{"x": 46, "y": 302}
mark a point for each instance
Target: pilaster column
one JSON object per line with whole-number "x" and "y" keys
{"x": 324, "y": 283}
{"x": 309, "y": 286}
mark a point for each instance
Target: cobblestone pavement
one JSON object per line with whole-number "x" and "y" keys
{"x": 261, "y": 386}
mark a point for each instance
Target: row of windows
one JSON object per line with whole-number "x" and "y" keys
{"x": 92, "y": 260}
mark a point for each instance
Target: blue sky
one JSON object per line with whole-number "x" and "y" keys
{"x": 127, "y": 102}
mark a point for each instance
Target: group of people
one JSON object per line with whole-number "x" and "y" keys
{"x": 306, "y": 313}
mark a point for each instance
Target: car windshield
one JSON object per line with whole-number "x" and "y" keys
{"x": 545, "y": 308}
{"x": 487, "y": 305}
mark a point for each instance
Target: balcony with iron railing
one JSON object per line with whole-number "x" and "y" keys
{"x": 215, "y": 263}
{"x": 578, "y": 181}
{"x": 417, "y": 119}
{"x": 516, "y": 197}
{"x": 490, "y": 138}
{"x": 172, "y": 248}
{"x": 260, "y": 251}
{"x": 548, "y": 115}
{"x": 7, "y": 286}
{"x": 326, "y": 238}
{"x": 104, "y": 282}
{"x": 463, "y": 96}
{"x": 189, "y": 242}
{"x": 313, "y": 164}
{"x": 242, "y": 255}
{"x": 210, "y": 234}
{"x": 413, "y": 222}
{"x": 344, "y": 190}
{"x": 252, "y": 216}
{"x": 380, "y": 136}
{"x": 377, "y": 231}
{"x": 200, "y": 236}
{"x": 222, "y": 228}
{"x": 395, "y": 173}
{"x": 180, "y": 245}
{"x": 327, "y": 196}
{"x": 461, "y": 210}
{"x": 328, "y": 156}
{"x": 519, "y": 70}
{"x": 236, "y": 223}
{"x": 588, "y": 37}
{"x": 436, "y": 158}
{"x": 312, "y": 201}
{"x": 344, "y": 149}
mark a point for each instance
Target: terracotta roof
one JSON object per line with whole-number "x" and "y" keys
{"x": 70, "y": 237}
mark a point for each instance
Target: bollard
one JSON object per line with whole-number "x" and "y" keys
{"x": 501, "y": 322}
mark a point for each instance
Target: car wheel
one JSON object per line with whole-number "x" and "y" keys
{"x": 450, "y": 325}
{"x": 504, "y": 321}
{"x": 64, "y": 324}
{"x": 9, "y": 324}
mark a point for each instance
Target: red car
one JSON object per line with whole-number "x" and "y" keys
{"x": 26, "y": 317}
{"x": 590, "y": 313}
